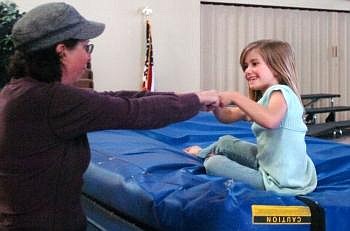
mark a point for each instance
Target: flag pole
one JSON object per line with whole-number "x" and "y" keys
{"x": 148, "y": 75}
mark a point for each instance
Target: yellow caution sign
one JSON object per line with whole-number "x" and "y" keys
{"x": 275, "y": 214}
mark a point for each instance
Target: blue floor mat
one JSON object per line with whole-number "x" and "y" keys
{"x": 144, "y": 176}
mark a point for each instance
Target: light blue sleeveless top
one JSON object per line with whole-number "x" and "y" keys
{"x": 282, "y": 157}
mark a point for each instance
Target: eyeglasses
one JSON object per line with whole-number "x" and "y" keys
{"x": 89, "y": 48}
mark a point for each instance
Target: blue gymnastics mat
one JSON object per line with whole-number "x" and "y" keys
{"x": 142, "y": 180}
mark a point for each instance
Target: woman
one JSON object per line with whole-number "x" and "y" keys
{"x": 44, "y": 150}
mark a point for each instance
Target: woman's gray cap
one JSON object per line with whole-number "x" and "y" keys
{"x": 51, "y": 23}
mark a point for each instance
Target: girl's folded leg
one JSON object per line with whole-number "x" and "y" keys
{"x": 238, "y": 150}
{"x": 219, "y": 165}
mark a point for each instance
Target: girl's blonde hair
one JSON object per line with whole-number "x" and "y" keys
{"x": 279, "y": 57}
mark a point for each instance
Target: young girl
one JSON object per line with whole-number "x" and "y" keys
{"x": 278, "y": 162}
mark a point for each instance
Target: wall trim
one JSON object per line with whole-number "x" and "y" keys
{"x": 271, "y": 6}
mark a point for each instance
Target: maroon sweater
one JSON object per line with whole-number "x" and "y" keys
{"x": 44, "y": 150}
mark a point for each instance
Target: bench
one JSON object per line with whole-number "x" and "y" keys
{"x": 312, "y": 98}
{"x": 310, "y": 112}
{"x": 324, "y": 128}
{"x": 330, "y": 124}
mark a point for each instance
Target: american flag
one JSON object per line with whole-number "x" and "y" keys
{"x": 147, "y": 79}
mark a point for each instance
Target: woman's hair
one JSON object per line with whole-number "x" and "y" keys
{"x": 279, "y": 57}
{"x": 43, "y": 65}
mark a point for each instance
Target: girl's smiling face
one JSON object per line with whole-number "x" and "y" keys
{"x": 258, "y": 75}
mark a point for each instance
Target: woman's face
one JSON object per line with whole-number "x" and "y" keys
{"x": 74, "y": 61}
{"x": 257, "y": 73}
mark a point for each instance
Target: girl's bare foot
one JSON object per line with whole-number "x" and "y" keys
{"x": 193, "y": 150}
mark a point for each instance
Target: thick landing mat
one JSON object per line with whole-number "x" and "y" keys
{"x": 144, "y": 177}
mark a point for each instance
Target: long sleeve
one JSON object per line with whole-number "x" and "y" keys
{"x": 74, "y": 111}
{"x": 44, "y": 150}
{"x": 133, "y": 94}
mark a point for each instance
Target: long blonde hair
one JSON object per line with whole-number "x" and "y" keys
{"x": 279, "y": 57}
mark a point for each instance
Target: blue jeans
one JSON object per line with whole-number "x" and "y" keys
{"x": 233, "y": 158}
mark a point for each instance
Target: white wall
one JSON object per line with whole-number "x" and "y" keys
{"x": 118, "y": 57}
{"x": 119, "y": 52}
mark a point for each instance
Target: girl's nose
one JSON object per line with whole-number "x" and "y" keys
{"x": 247, "y": 70}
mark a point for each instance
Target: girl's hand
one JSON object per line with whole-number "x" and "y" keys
{"x": 226, "y": 99}
{"x": 208, "y": 99}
